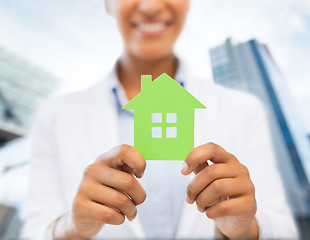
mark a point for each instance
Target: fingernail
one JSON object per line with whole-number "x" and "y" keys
{"x": 201, "y": 210}
{"x": 140, "y": 175}
{"x": 188, "y": 200}
{"x": 184, "y": 168}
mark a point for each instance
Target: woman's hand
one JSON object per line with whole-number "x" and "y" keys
{"x": 223, "y": 190}
{"x": 108, "y": 192}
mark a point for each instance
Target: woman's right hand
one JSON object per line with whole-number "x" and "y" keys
{"x": 108, "y": 192}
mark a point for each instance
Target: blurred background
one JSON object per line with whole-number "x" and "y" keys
{"x": 258, "y": 46}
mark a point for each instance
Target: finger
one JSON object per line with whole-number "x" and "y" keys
{"x": 122, "y": 156}
{"x": 242, "y": 206}
{"x": 122, "y": 181}
{"x": 202, "y": 154}
{"x": 113, "y": 198}
{"x": 226, "y": 187}
{"x": 207, "y": 176}
{"x": 127, "y": 169}
{"x": 200, "y": 167}
{"x": 93, "y": 212}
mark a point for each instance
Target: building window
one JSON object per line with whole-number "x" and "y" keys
{"x": 156, "y": 132}
{"x": 157, "y": 118}
{"x": 171, "y": 117}
{"x": 168, "y": 124}
{"x": 171, "y": 132}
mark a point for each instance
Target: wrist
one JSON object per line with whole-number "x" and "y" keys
{"x": 64, "y": 228}
{"x": 252, "y": 232}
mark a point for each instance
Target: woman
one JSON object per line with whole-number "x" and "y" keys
{"x": 72, "y": 195}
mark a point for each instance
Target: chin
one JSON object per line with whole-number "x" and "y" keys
{"x": 153, "y": 54}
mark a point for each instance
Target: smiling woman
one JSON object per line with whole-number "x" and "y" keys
{"x": 73, "y": 193}
{"x": 149, "y": 30}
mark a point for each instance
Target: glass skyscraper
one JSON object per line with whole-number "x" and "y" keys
{"x": 23, "y": 86}
{"x": 250, "y": 67}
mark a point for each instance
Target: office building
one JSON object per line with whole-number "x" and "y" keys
{"x": 23, "y": 87}
{"x": 250, "y": 67}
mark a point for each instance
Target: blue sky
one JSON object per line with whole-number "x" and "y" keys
{"x": 77, "y": 41}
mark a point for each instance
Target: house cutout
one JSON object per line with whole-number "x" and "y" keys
{"x": 164, "y": 115}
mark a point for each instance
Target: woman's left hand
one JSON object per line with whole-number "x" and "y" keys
{"x": 223, "y": 190}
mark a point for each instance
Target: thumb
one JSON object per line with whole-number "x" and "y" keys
{"x": 125, "y": 158}
{"x": 199, "y": 156}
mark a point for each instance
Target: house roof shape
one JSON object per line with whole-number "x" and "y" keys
{"x": 163, "y": 92}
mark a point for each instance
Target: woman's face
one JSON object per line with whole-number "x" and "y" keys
{"x": 149, "y": 27}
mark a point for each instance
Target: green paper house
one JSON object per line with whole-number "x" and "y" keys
{"x": 164, "y": 114}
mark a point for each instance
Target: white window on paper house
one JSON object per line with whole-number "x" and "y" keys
{"x": 171, "y": 129}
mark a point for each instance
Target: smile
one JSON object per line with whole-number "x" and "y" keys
{"x": 151, "y": 28}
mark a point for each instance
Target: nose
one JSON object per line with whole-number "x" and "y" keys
{"x": 151, "y": 8}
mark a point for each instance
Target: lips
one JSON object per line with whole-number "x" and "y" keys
{"x": 151, "y": 28}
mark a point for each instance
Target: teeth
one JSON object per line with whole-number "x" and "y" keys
{"x": 150, "y": 27}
